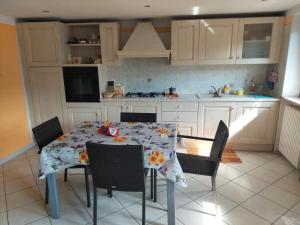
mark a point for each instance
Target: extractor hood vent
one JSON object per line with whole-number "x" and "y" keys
{"x": 144, "y": 42}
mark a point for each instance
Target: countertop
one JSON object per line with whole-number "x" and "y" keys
{"x": 293, "y": 100}
{"x": 196, "y": 98}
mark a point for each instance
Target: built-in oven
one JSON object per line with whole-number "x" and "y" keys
{"x": 81, "y": 84}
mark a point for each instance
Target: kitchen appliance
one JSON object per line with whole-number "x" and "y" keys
{"x": 81, "y": 84}
{"x": 172, "y": 90}
{"x": 110, "y": 86}
{"x": 145, "y": 94}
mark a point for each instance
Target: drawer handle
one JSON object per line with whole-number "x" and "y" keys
{"x": 178, "y": 107}
{"x": 178, "y": 117}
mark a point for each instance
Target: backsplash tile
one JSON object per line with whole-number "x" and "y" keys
{"x": 134, "y": 73}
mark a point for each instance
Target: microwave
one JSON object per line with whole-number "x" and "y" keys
{"x": 81, "y": 84}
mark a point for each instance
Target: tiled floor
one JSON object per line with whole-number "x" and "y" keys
{"x": 263, "y": 190}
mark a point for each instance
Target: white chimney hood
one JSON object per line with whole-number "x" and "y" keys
{"x": 144, "y": 42}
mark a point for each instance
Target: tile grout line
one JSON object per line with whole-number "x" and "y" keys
{"x": 5, "y": 199}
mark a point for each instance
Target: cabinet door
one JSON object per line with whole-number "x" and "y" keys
{"x": 210, "y": 115}
{"x": 45, "y": 94}
{"x": 189, "y": 129}
{"x": 259, "y": 40}
{"x": 185, "y": 42}
{"x": 218, "y": 41}
{"x": 256, "y": 123}
{"x": 109, "y": 33}
{"x": 79, "y": 115}
{"x": 41, "y": 43}
{"x": 111, "y": 111}
{"x": 145, "y": 107}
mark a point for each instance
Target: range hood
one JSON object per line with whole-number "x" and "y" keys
{"x": 144, "y": 42}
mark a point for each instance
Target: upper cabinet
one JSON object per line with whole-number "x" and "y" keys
{"x": 226, "y": 41}
{"x": 185, "y": 42}
{"x": 42, "y": 43}
{"x": 109, "y": 33}
{"x": 218, "y": 41}
{"x": 259, "y": 40}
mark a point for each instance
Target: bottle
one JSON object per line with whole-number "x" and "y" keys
{"x": 252, "y": 86}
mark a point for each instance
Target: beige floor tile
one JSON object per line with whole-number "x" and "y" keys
{"x": 296, "y": 208}
{"x": 191, "y": 214}
{"x": 229, "y": 172}
{"x": 268, "y": 155}
{"x": 10, "y": 175}
{"x": 23, "y": 197}
{"x": 121, "y": 217}
{"x": 3, "y": 219}
{"x": 278, "y": 167}
{"x": 33, "y": 152}
{"x": 127, "y": 198}
{"x": 27, "y": 214}
{"x": 106, "y": 206}
{"x": 207, "y": 180}
{"x": 44, "y": 221}
{"x": 235, "y": 192}
{"x": 264, "y": 208}
{"x": 76, "y": 215}
{"x": 180, "y": 198}
{"x": 294, "y": 175}
{"x": 2, "y": 192}
{"x": 265, "y": 174}
{"x": 164, "y": 221}
{"x": 195, "y": 189}
{"x": 242, "y": 216}
{"x": 280, "y": 196}
{"x": 290, "y": 218}
{"x": 19, "y": 184}
{"x": 2, "y": 204}
{"x": 15, "y": 164}
{"x": 244, "y": 167}
{"x": 289, "y": 185}
{"x": 215, "y": 204}
{"x": 255, "y": 159}
{"x": 251, "y": 183}
{"x": 154, "y": 211}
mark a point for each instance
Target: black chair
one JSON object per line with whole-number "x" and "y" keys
{"x": 202, "y": 165}
{"x": 44, "y": 134}
{"x": 119, "y": 167}
{"x": 144, "y": 118}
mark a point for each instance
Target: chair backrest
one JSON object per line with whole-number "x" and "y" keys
{"x": 220, "y": 141}
{"x": 138, "y": 117}
{"x": 119, "y": 167}
{"x": 47, "y": 132}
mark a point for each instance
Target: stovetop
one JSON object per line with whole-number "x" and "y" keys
{"x": 144, "y": 94}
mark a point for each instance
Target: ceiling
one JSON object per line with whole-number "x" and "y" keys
{"x": 125, "y": 9}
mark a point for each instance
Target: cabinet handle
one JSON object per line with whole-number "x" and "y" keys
{"x": 230, "y": 57}
{"x": 178, "y": 107}
{"x": 238, "y": 57}
{"x": 178, "y": 117}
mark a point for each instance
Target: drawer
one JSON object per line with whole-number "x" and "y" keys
{"x": 190, "y": 117}
{"x": 180, "y": 106}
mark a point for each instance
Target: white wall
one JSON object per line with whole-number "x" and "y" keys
{"x": 291, "y": 83}
{"x": 7, "y": 19}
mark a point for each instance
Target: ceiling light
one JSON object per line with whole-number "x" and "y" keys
{"x": 195, "y": 10}
{"x": 147, "y": 6}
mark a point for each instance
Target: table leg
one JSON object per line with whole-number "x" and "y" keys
{"x": 171, "y": 202}
{"x": 53, "y": 195}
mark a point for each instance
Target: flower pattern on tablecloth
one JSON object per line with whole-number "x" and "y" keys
{"x": 158, "y": 139}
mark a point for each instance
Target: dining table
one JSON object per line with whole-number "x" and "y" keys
{"x": 158, "y": 140}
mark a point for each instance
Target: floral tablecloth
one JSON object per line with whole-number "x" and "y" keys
{"x": 158, "y": 139}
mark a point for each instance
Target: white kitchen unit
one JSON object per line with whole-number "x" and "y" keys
{"x": 111, "y": 110}
{"x": 218, "y": 41}
{"x": 210, "y": 114}
{"x": 79, "y": 115}
{"x": 109, "y": 33}
{"x": 255, "y": 123}
{"x": 45, "y": 93}
{"x": 185, "y": 42}
{"x": 43, "y": 43}
{"x": 184, "y": 114}
{"x": 259, "y": 40}
{"x": 227, "y": 41}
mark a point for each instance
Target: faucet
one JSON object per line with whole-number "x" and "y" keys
{"x": 216, "y": 92}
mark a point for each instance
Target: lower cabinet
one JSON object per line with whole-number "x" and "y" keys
{"x": 256, "y": 123}
{"x": 189, "y": 129}
{"x": 210, "y": 114}
{"x": 111, "y": 111}
{"x": 79, "y": 115}
{"x": 45, "y": 94}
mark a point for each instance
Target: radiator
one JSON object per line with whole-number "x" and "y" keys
{"x": 289, "y": 142}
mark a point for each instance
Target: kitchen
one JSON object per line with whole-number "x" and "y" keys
{"x": 192, "y": 71}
